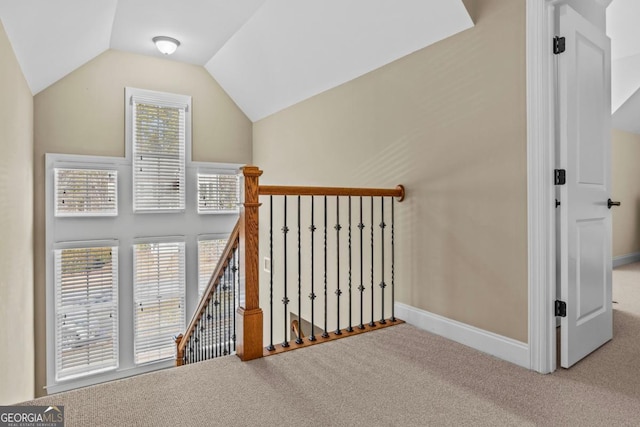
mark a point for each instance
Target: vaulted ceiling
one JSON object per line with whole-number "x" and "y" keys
{"x": 267, "y": 54}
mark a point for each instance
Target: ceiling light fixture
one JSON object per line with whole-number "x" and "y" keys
{"x": 166, "y": 45}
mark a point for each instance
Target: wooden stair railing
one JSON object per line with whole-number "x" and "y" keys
{"x": 215, "y": 310}
{"x": 243, "y": 250}
{"x": 340, "y": 219}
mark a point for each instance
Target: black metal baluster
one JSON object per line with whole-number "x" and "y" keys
{"x": 372, "y": 323}
{"x": 225, "y": 309}
{"x": 312, "y": 295}
{"x": 229, "y": 305}
{"x": 198, "y": 345}
{"x": 393, "y": 263}
{"x": 228, "y": 298}
{"x": 298, "y": 338}
{"x": 235, "y": 306}
{"x": 207, "y": 316}
{"x": 325, "y": 334}
{"x": 361, "y": 287}
{"x": 217, "y": 317}
{"x": 222, "y": 313}
{"x": 270, "y": 347}
{"x": 237, "y": 302}
{"x": 212, "y": 325}
{"x": 349, "y": 327}
{"x": 285, "y": 300}
{"x": 190, "y": 347}
{"x": 338, "y": 227}
{"x": 383, "y": 285}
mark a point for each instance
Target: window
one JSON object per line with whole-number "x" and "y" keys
{"x": 218, "y": 193}
{"x": 209, "y": 252}
{"x": 86, "y": 192}
{"x": 159, "y": 296}
{"x": 151, "y": 192}
{"x": 158, "y": 155}
{"x": 86, "y": 290}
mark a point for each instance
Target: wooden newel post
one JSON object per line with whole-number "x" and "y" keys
{"x": 249, "y": 315}
{"x": 179, "y": 351}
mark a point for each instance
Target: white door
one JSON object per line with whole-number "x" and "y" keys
{"x": 584, "y": 126}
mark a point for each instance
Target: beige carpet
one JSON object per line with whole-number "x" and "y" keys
{"x": 400, "y": 376}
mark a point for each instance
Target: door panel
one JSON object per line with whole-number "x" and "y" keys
{"x": 584, "y": 127}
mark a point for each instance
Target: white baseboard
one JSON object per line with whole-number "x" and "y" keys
{"x": 626, "y": 259}
{"x": 496, "y": 345}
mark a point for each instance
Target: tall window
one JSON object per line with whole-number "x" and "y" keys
{"x": 158, "y": 155}
{"x": 159, "y": 295}
{"x": 86, "y": 293}
{"x": 96, "y": 306}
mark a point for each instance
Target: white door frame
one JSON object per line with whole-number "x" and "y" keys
{"x": 541, "y": 226}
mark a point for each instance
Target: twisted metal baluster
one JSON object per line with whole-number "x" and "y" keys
{"x": 372, "y": 323}
{"x": 270, "y": 347}
{"x": 325, "y": 334}
{"x": 299, "y": 333}
{"x": 312, "y": 295}
{"x": 393, "y": 263}
{"x": 338, "y": 292}
{"x": 285, "y": 300}
{"x": 361, "y": 287}
{"x": 383, "y": 285}
{"x": 350, "y": 328}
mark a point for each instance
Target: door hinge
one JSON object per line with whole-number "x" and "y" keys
{"x": 559, "y": 176}
{"x": 557, "y": 203}
{"x": 559, "y": 45}
{"x": 561, "y": 308}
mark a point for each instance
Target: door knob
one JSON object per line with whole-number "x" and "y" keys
{"x": 611, "y": 203}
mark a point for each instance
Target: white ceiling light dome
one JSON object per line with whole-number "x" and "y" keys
{"x": 166, "y": 45}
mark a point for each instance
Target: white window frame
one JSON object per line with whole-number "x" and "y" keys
{"x": 130, "y": 226}
{"x": 165, "y": 99}
{"x": 86, "y": 214}
{"x": 160, "y": 240}
{"x": 211, "y": 171}
{"x": 85, "y": 245}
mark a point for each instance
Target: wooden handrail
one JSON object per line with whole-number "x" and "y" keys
{"x": 214, "y": 281}
{"x": 286, "y": 190}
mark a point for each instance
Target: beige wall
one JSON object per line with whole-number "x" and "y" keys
{"x": 16, "y": 225}
{"x": 449, "y": 122}
{"x": 84, "y": 114}
{"x": 625, "y": 156}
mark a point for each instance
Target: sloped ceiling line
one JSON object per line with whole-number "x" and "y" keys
{"x": 267, "y": 54}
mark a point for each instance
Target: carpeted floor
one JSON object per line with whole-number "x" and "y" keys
{"x": 400, "y": 376}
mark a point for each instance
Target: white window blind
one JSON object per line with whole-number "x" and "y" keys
{"x": 218, "y": 193}
{"x": 209, "y": 252}
{"x": 158, "y": 156}
{"x": 159, "y": 295}
{"x": 86, "y": 295}
{"x": 86, "y": 192}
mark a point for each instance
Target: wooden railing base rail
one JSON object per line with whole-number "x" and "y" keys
{"x": 332, "y": 337}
